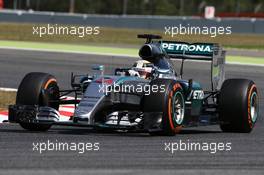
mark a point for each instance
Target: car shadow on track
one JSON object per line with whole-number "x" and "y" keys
{"x": 89, "y": 131}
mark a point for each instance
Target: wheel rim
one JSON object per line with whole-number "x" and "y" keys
{"x": 253, "y": 107}
{"x": 178, "y": 108}
{"x": 53, "y": 94}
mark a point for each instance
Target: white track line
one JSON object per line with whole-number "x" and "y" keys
{"x": 245, "y": 64}
{"x": 3, "y": 117}
{"x": 8, "y": 89}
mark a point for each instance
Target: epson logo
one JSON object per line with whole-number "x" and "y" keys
{"x": 186, "y": 47}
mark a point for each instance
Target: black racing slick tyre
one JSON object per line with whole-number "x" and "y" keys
{"x": 38, "y": 89}
{"x": 238, "y": 105}
{"x": 170, "y": 103}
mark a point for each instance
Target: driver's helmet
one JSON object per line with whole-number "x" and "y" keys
{"x": 142, "y": 68}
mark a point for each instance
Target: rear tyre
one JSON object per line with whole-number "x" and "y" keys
{"x": 169, "y": 103}
{"x": 38, "y": 89}
{"x": 238, "y": 105}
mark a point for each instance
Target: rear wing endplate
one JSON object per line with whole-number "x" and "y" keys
{"x": 200, "y": 51}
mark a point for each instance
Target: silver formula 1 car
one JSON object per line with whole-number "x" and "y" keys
{"x": 147, "y": 97}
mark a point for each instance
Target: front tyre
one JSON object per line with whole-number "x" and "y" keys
{"x": 238, "y": 105}
{"x": 38, "y": 89}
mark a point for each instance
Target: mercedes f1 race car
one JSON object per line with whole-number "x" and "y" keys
{"x": 148, "y": 97}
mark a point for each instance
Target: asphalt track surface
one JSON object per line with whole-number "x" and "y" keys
{"x": 123, "y": 153}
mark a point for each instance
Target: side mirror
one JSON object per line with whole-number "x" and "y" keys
{"x": 98, "y": 67}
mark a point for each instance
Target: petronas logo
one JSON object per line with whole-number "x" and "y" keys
{"x": 185, "y": 47}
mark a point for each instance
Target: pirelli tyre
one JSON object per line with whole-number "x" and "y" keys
{"x": 169, "y": 102}
{"x": 238, "y": 105}
{"x": 38, "y": 89}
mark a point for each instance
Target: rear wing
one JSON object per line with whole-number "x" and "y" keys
{"x": 200, "y": 51}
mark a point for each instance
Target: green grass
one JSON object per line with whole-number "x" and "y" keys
{"x": 6, "y": 98}
{"x": 245, "y": 60}
{"x": 124, "y": 37}
{"x": 105, "y": 50}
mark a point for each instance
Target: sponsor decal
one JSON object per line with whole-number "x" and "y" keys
{"x": 190, "y": 49}
{"x": 198, "y": 95}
